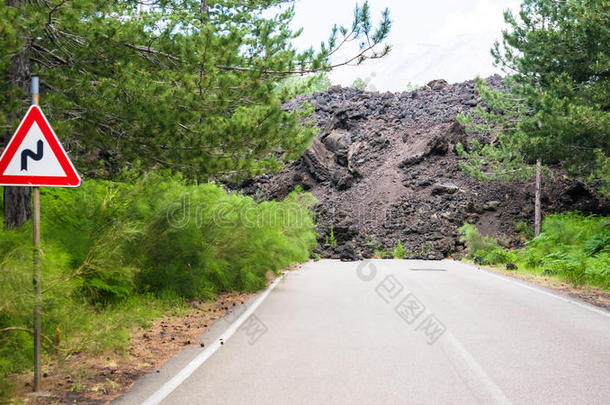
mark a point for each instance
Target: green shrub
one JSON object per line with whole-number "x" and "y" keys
{"x": 597, "y": 243}
{"x": 227, "y": 241}
{"x": 482, "y": 248}
{"x": 380, "y": 253}
{"x": 570, "y": 265}
{"x": 573, "y": 246}
{"x": 524, "y": 230}
{"x": 399, "y": 252}
{"x": 597, "y": 270}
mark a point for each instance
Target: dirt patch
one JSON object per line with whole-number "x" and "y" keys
{"x": 593, "y": 295}
{"x": 385, "y": 167}
{"x": 88, "y": 379}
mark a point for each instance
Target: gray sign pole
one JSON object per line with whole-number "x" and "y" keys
{"x": 37, "y": 277}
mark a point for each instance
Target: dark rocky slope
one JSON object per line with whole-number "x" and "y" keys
{"x": 384, "y": 167}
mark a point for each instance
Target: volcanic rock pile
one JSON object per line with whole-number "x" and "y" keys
{"x": 384, "y": 167}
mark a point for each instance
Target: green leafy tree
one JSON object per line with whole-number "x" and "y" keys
{"x": 186, "y": 85}
{"x": 359, "y": 84}
{"x": 556, "y": 105}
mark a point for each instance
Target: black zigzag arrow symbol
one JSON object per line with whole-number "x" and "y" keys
{"x": 27, "y": 153}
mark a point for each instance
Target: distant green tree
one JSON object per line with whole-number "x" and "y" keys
{"x": 556, "y": 105}
{"x": 413, "y": 86}
{"x": 359, "y": 84}
{"x": 186, "y": 85}
{"x": 305, "y": 85}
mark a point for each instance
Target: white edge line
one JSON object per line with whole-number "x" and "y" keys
{"x": 496, "y": 392}
{"x": 540, "y": 290}
{"x": 190, "y": 368}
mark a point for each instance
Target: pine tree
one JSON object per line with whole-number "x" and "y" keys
{"x": 15, "y": 67}
{"x": 556, "y": 105}
{"x": 187, "y": 85}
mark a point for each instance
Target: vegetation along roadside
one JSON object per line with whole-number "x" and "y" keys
{"x": 119, "y": 255}
{"x": 571, "y": 254}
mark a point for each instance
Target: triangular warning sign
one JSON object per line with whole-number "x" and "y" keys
{"x": 34, "y": 156}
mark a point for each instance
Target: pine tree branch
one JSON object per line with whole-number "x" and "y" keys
{"x": 148, "y": 49}
{"x": 43, "y": 50}
{"x": 52, "y": 10}
{"x": 360, "y": 55}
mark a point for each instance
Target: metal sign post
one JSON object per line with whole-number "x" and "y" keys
{"x": 35, "y": 158}
{"x": 37, "y": 276}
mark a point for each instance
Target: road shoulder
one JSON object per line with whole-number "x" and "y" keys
{"x": 591, "y": 295}
{"x": 169, "y": 343}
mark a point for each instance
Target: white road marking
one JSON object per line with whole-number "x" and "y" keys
{"x": 190, "y": 368}
{"x": 468, "y": 368}
{"x": 472, "y": 373}
{"x": 541, "y": 291}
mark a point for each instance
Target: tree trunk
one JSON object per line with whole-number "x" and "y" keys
{"x": 204, "y": 8}
{"x": 17, "y": 208}
{"x": 537, "y": 208}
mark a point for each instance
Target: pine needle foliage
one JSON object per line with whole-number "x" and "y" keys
{"x": 187, "y": 85}
{"x": 305, "y": 85}
{"x": 556, "y": 105}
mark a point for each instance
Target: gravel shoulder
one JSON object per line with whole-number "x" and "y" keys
{"x": 98, "y": 379}
{"x": 590, "y": 294}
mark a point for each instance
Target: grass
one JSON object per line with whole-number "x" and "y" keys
{"x": 380, "y": 253}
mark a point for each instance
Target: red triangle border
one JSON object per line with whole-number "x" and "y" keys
{"x": 35, "y": 115}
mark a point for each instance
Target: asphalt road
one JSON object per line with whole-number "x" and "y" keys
{"x": 395, "y": 332}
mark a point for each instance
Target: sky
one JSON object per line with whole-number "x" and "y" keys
{"x": 433, "y": 39}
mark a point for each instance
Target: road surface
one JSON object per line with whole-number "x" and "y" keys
{"x": 394, "y": 332}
